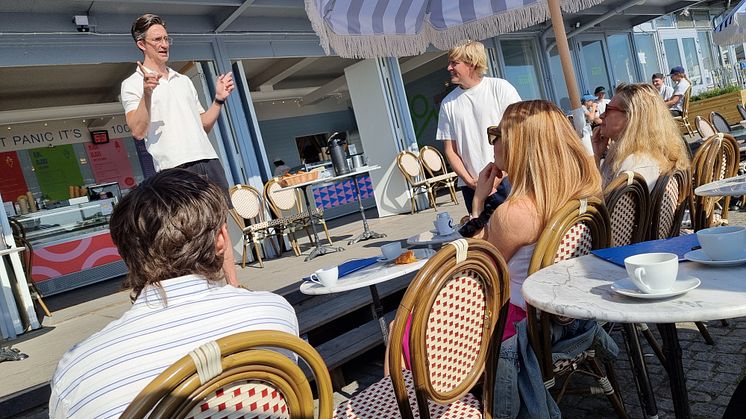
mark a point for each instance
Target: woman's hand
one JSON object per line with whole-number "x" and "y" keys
{"x": 489, "y": 179}
{"x": 599, "y": 142}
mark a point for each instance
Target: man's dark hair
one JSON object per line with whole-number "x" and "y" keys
{"x": 166, "y": 227}
{"x": 658, "y": 76}
{"x": 141, "y": 25}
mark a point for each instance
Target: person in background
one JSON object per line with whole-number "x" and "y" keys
{"x": 280, "y": 167}
{"x": 680, "y": 87}
{"x": 659, "y": 81}
{"x": 171, "y": 233}
{"x": 600, "y": 100}
{"x": 590, "y": 109}
{"x": 465, "y": 113}
{"x": 162, "y": 109}
{"x": 637, "y": 133}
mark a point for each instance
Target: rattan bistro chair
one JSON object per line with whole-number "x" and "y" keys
{"x": 704, "y": 127}
{"x": 435, "y": 166}
{"x": 238, "y": 376}
{"x": 288, "y": 206}
{"x": 411, "y": 169}
{"x": 458, "y": 305}
{"x": 717, "y": 158}
{"x": 719, "y": 122}
{"x": 579, "y": 227}
{"x": 684, "y": 118}
{"x": 741, "y": 111}
{"x": 669, "y": 199}
{"x": 628, "y": 202}
{"x": 248, "y": 206}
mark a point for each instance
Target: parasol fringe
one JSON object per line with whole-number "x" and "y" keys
{"x": 372, "y": 46}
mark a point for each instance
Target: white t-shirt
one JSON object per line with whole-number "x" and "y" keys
{"x": 175, "y": 134}
{"x": 465, "y": 115}
{"x": 666, "y": 92}
{"x": 680, "y": 89}
{"x": 643, "y": 164}
{"x": 99, "y": 377}
{"x": 601, "y": 106}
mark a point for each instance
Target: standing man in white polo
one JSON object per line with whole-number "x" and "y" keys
{"x": 162, "y": 108}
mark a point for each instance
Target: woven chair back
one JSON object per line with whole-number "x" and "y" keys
{"x": 717, "y": 158}
{"x": 409, "y": 165}
{"x": 458, "y": 303}
{"x": 669, "y": 199}
{"x": 628, "y": 202}
{"x": 282, "y": 202}
{"x": 741, "y": 111}
{"x": 247, "y": 202}
{"x": 576, "y": 229}
{"x": 238, "y": 375}
{"x": 432, "y": 160}
{"x": 704, "y": 127}
{"x": 719, "y": 122}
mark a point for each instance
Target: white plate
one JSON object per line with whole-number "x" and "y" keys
{"x": 684, "y": 283}
{"x": 700, "y": 256}
{"x": 418, "y": 253}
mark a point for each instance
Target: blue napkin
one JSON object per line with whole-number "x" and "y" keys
{"x": 353, "y": 265}
{"x": 678, "y": 245}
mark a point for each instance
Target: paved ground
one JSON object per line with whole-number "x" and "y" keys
{"x": 712, "y": 371}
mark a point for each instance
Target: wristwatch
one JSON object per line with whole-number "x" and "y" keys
{"x": 219, "y": 102}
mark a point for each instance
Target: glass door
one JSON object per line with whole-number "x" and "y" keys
{"x": 681, "y": 48}
{"x": 593, "y": 63}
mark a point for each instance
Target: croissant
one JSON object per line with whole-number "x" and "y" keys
{"x": 406, "y": 257}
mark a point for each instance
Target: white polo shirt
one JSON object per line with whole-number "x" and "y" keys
{"x": 175, "y": 135}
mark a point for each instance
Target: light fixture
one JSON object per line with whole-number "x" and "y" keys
{"x": 685, "y": 12}
{"x": 81, "y": 21}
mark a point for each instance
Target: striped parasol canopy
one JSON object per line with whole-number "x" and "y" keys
{"x": 732, "y": 30}
{"x": 397, "y": 28}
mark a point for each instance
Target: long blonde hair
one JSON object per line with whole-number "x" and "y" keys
{"x": 650, "y": 130}
{"x": 544, "y": 158}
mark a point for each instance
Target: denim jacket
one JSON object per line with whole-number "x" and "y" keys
{"x": 519, "y": 387}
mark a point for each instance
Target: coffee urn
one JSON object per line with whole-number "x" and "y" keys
{"x": 337, "y": 154}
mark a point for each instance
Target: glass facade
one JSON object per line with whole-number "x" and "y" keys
{"x": 647, "y": 55}
{"x": 557, "y": 79}
{"x": 621, "y": 58}
{"x": 594, "y": 65}
{"x": 521, "y": 67}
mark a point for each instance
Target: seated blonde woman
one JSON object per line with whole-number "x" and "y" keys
{"x": 637, "y": 133}
{"x": 540, "y": 152}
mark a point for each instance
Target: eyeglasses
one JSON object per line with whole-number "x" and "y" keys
{"x": 614, "y": 108}
{"x": 493, "y": 134}
{"x": 161, "y": 39}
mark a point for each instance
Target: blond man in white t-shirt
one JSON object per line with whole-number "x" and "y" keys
{"x": 465, "y": 114}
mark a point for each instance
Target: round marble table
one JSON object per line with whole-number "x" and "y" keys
{"x": 732, "y": 186}
{"x": 369, "y": 277}
{"x": 581, "y": 288}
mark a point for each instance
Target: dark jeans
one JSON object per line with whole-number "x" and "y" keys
{"x": 675, "y": 113}
{"x": 211, "y": 170}
{"x": 500, "y": 195}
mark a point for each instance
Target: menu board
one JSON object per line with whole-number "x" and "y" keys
{"x": 56, "y": 169}
{"x": 110, "y": 163}
{"x": 12, "y": 182}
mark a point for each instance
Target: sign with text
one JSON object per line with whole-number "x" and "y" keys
{"x": 115, "y": 126}
{"x": 43, "y": 134}
{"x": 56, "y": 169}
{"x": 12, "y": 182}
{"x": 109, "y": 163}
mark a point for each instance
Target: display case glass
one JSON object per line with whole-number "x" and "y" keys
{"x": 46, "y": 227}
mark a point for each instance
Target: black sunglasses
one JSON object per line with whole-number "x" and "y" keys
{"x": 493, "y": 134}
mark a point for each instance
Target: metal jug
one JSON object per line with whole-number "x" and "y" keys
{"x": 337, "y": 154}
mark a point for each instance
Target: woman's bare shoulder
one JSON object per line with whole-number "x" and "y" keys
{"x": 518, "y": 218}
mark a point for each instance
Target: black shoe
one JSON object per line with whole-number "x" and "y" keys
{"x": 11, "y": 354}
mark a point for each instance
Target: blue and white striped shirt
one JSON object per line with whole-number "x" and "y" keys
{"x": 100, "y": 376}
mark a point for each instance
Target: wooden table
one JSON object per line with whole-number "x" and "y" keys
{"x": 581, "y": 288}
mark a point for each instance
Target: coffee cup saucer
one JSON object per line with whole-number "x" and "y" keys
{"x": 684, "y": 283}
{"x": 700, "y": 256}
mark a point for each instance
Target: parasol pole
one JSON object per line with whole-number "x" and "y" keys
{"x": 564, "y": 53}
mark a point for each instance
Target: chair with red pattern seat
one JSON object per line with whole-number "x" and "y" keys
{"x": 238, "y": 375}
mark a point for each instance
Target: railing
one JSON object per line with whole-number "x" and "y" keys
{"x": 729, "y": 75}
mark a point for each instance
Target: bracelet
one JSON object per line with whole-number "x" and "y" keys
{"x": 219, "y": 102}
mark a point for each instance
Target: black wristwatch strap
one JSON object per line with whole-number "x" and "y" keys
{"x": 219, "y": 102}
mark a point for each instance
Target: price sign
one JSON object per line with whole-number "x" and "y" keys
{"x": 100, "y": 137}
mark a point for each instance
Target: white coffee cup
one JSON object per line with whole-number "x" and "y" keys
{"x": 723, "y": 243}
{"x": 391, "y": 250}
{"x": 444, "y": 226}
{"x": 653, "y": 272}
{"x": 327, "y": 277}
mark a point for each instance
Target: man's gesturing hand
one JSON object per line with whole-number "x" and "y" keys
{"x": 224, "y": 86}
{"x": 149, "y": 79}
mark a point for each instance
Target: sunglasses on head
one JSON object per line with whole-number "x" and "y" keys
{"x": 493, "y": 134}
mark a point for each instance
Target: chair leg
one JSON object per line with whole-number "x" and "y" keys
{"x": 326, "y": 231}
{"x": 37, "y": 295}
{"x": 609, "y": 390}
{"x": 705, "y": 333}
{"x": 413, "y": 203}
{"x": 452, "y": 190}
{"x": 258, "y": 249}
{"x": 654, "y": 345}
{"x": 243, "y": 258}
{"x": 274, "y": 245}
